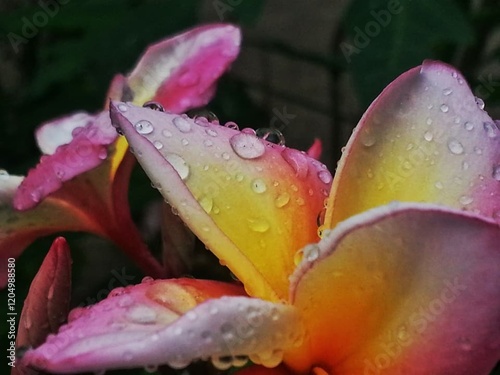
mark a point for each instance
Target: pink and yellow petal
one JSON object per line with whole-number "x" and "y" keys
{"x": 426, "y": 138}
{"x": 253, "y": 203}
{"x": 181, "y": 72}
{"x": 402, "y": 289}
{"x": 173, "y": 322}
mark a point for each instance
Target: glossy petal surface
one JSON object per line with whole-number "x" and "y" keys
{"x": 424, "y": 139}
{"x": 402, "y": 289}
{"x": 47, "y": 303}
{"x": 170, "y": 322}
{"x": 181, "y": 72}
{"x": 253, "y": 203}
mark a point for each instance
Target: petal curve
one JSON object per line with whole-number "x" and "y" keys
{"x": 151, "y": 324}
{"x": 411, "y": 289}
{"x": 426, "y": 138}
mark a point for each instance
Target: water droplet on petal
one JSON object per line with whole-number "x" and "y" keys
{"x": 271, "y": 135}
{"x": 282, "y": 200}
{"x": 158, "y": 145}
{"x": 325, "y": 176}
{"x": 428, "y": 136}
{"x": 144, "y": 127}
{"x": 248, "y": 131}
{"x": 259, "y": 186}
{"x": 480, "y": 103}
{"x": 184, "y": 142}
{"x": 311, "y": 252}
{"x": 465, "y": 200}
{"x": 444, "y": 108}
{"x": 182, "y": 124}
{"x": 465, "y": 344}
{"x": 155, "y": 106}
{"x": 206, "y": 203}
{"x": 490, "y": 129}
{"x": 222, "y": 363}
{"x": 178, "y": 362}
{"x": 297, "y": 160}
{"x": 247, "y": 146}
{"x": 367, "y": 138}
{"x": 179, "y": 164}
{"x": 232, "y": 125}
{"x": 166, "y": 133}
{"x": 496, "y": 172}
{"x": 151, "y": 369}
{"x": 438, "y": 185}
{"x": 447, "y": 91}
{"x": 478, "y": 150}
{"x": 258, "y": 225}
{"x": 455, "y": 147}
{"x": 468, "y": 126}
{"x": 122, "y": 107}
{"x": 211, "y": 132}
{"x": 428, "y": 121}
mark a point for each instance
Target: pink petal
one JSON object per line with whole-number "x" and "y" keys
{"x": 402, "y": 289}
{"x": 316, "y": 149}
{"x": 87, "y": 150}
{"x": 181, "y": 72}
{"x": 143, "y": 326}
{"x": 58, "y": 132}
{"x": 47, "y": 303}
{"x": 424, "y": 139}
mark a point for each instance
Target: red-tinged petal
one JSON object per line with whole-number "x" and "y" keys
{"x": 261, "y": 370}
{"x": 316, "y": 149}
{"x": 424, "y": 139}
{"x": 402, "y": 289}
{"x": 47, "y": 303}
{"x": 58, "y": 132}
{"x": 170, "y": 322}
{"x": 253, "y": 203}
{"x": 87, "y": 150}
{"x": 181, "y": 72}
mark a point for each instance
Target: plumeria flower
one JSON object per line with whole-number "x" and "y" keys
{"x": 405, "y": 278}
{"x": 81, "y": 182}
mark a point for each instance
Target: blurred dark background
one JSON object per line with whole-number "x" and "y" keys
{"x": 309, "y": 68}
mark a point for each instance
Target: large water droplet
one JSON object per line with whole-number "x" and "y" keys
{"x": 179, "y": 164}
{"x": 232, "y": 125}
{"x": 325, "y": 176}
{"x": 297, "y": 160}
{"x": 258, "y": 225}
{"x": 455, "y": 147}
{"x": 282, "y": 200}
{"x": 247, "y": 146}
{"x": 144, "y": 127}
{"x": 271, "y": 135}
{"x": 182, "y": 124}
{"x": 155, "y": 106}
{"x": 259, "y": 186}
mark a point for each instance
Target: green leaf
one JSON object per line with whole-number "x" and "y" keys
{"x": 387, "y": 38}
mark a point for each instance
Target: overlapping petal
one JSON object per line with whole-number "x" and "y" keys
{"x": 253, "y": 203}
{"x": 402, "y": 289}
{"x": 426, "y": 138}
{"x": 170, "y": 322}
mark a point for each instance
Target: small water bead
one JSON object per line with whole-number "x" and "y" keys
{"x": 259, "y": 186}
{"x": 455, "y": 147}
{"x": 465, "y": 165}
{"x": 258, "y": 225}
{"x": 444, "y": 108}
{"x": 439, "y": 185}
{"x": 496, "y": 172}
{"x": 178, "y": 362}
{"x": 232, "y": 125}
{"x": 248, "y": 131}
{"x": 225, "y": 156}
{"x": 158, "y": 145}
{"x": 211, "y": 132}
{"x": 179, "y": 164}
{"x": 428, "y": 136}
{"x": 367, "y": 138}
{"x": 271, "y": 135}
{"x": 222, "y": 363}
{"x": 282, "y": 200}
{"x": 182, "y": 124}
{"x": 480, "y": 103}
{"x": 466, "y": 200}
{"x": 144, "y": 127}
{"x": 122, "y": 107}
{"x": 428, "y": 121}
{"x": 300, "y": 201}
{"x": 490, "y": 129}
{"x": 206, "y": 203}
{"x": 468, "y": 126}
{"x": 478, "y": 150}
{"x": 247, "y": 146}
{"x": 151, "y": 369}
{"x": 208, "y": 143}
{"x": 184, "y": 142}
{"x": 311, "y": 252}
{"x": 447, "y": 91}
{"x": 202, "y": 116}
{"x": 155, "y": 106}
